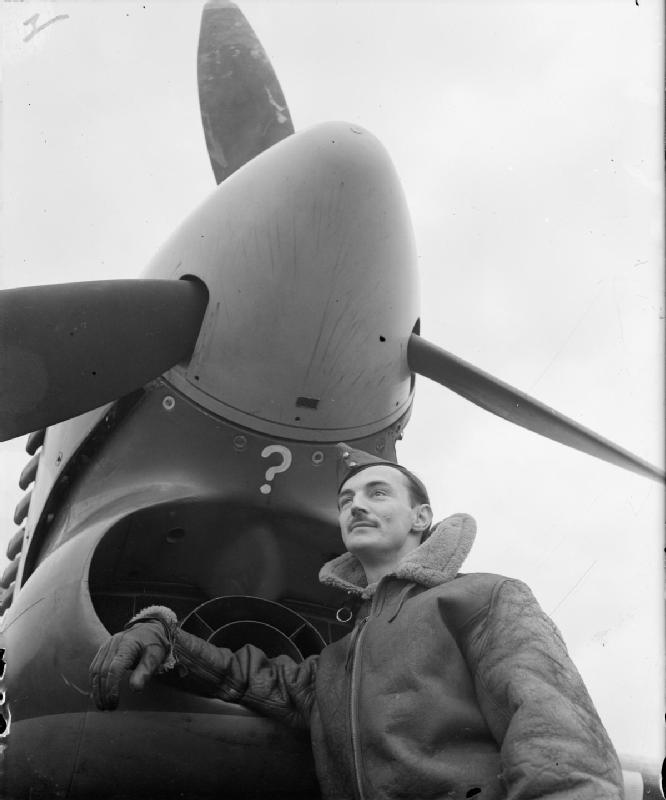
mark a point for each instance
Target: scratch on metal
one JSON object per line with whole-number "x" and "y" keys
{"x": 37, "y": 28}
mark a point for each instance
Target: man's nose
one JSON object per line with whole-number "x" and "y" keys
{"x": 358, "y": 505}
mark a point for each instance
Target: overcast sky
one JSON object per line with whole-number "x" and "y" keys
{"x": 528, "y": 138}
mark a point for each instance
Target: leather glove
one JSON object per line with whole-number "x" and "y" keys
{"x": 142, "y": 648}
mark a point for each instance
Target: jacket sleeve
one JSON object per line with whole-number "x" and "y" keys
{"x": 276, "y": 687}
{"x": 553, "y": 744}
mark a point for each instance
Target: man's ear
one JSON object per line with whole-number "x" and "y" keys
{"x": 423, "y": 518}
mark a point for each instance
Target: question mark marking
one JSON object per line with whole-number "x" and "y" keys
{"x": 271, "y": 472}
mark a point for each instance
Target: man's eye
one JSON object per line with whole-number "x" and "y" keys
{"x": 379, "y": 491}
{"x": 344, "y": 502}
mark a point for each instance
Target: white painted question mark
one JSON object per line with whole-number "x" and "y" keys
{"x": 271, "y": 472}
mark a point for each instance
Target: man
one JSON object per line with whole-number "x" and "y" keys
{"x": 449, "y": 685}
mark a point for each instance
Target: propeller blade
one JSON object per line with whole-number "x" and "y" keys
{"x": 494, "y": 395}
{"x": 69, "y": 348}
{"x": 243, "y": 109}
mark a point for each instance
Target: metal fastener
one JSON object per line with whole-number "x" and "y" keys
{"x": 344, "y": 614}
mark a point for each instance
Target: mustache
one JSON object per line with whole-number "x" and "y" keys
{"x": 363, "y": 520}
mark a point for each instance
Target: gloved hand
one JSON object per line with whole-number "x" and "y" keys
{"x": 142, "y": 648}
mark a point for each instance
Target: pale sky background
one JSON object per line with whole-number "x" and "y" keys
{"x": 528, "y": 136}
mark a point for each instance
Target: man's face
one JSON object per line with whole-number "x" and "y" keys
{"x": 376, "y": 514}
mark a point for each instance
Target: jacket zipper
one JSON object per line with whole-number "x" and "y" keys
{"x": 353, "y": 708}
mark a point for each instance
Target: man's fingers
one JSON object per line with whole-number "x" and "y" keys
{"x": 94, "y": 685}
{"x": 115, "y": 666}
{"x": 104, "y": 655}
{"x": 99, "y": 658}
{"x": 151, "y": 659}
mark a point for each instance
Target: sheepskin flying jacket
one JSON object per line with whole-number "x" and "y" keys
{"x": 449, "y": 686}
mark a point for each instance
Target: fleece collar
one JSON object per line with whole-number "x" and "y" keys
{"x": 436, "y": 561}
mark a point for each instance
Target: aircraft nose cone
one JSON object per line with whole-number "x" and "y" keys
{"x": 308, "y": 255}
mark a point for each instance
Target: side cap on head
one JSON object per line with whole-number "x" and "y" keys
{"x": 351, "y": 461}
